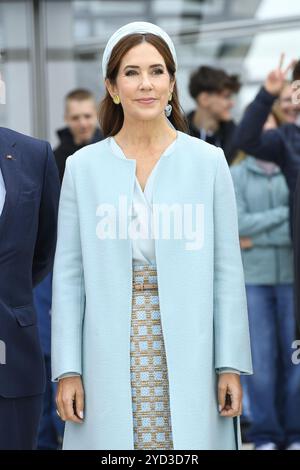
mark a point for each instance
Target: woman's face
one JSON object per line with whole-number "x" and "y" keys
{"x": 143, "y": 83}
{"x": 289, "y": 110}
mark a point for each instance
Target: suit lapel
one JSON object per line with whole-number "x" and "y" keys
{"x": 10, "y": 163}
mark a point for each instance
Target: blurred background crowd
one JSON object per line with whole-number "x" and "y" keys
{"x": 50, "y": 63}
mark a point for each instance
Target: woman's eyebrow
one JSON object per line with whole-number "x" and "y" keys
{"x": 137, "y": 67}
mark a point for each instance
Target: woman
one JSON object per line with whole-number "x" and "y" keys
{"x": 147, "y": 319}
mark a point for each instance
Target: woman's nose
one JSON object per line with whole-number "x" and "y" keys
{"x": 145, "y": 81}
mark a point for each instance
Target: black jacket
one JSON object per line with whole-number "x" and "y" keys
{"x": 67, "y": 147}
{"x": 28, "y": 225}
{"x": 223, "y": 138}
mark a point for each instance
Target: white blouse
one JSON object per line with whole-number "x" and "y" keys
{"x": 143, "y": 248}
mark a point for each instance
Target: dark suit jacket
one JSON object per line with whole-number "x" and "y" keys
{"x": 28, "y": 225}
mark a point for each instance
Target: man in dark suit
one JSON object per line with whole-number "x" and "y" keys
{"x": 29, "y": 194}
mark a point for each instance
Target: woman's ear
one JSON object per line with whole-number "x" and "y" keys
{"x": 110, "y": 88}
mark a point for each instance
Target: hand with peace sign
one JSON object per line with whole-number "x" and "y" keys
{"x": 275, "y": 80}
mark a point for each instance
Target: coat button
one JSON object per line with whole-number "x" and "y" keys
{"x": 9, "y": 157}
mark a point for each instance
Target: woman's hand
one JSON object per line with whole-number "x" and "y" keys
{"x": 70, "y": 399}
{"x": 275, "y": 81}
{"x": 230, "y": 394}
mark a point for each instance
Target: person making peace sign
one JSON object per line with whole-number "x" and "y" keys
{"x": 281, "y": 145}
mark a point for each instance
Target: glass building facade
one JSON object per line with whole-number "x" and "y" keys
{"x": 49, "y": 47}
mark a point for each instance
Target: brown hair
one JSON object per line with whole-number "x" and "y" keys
{"x": 111, "y": 116}
{"x": 212, "y": 80}
{"x": 296, "y": 71}
{"x": 79, "y": 94}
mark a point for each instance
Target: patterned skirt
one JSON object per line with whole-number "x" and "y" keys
{"x": 149, "y": 373}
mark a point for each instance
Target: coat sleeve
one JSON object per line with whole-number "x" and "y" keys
{"x": 68, "y": 298}
{"x": 231, "y": 329}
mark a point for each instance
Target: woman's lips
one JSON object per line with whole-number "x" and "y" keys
{"x": 147, "y": 100}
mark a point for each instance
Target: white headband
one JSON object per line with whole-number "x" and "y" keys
{"x": 132, "y": 28}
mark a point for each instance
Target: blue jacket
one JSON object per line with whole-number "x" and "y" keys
{"x": 27, "y": 243}
{"x": 201, "y": 290}
{"x": 263, "y": 215}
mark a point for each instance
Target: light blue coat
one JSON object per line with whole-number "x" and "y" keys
{"x": 202, "y": 296}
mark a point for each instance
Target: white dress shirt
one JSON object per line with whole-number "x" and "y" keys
{"x": 2, "y": 192}
{"x": 143, "y": 249}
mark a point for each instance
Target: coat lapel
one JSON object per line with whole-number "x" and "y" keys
{"x": 10, "y": 162}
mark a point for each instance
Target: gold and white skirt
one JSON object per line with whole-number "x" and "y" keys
{"x": 149, "y": 373}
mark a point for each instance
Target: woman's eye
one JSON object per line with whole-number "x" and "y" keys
{"x": 130, "y": 72}
{"x": 134, "y": 72}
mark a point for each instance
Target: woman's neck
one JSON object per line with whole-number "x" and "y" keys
{"x": 145, "y": 134}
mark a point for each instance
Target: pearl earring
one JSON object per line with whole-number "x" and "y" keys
{"x": 168, "y": 108}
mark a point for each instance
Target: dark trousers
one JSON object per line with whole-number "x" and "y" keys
{"x": 19, "y": 422}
